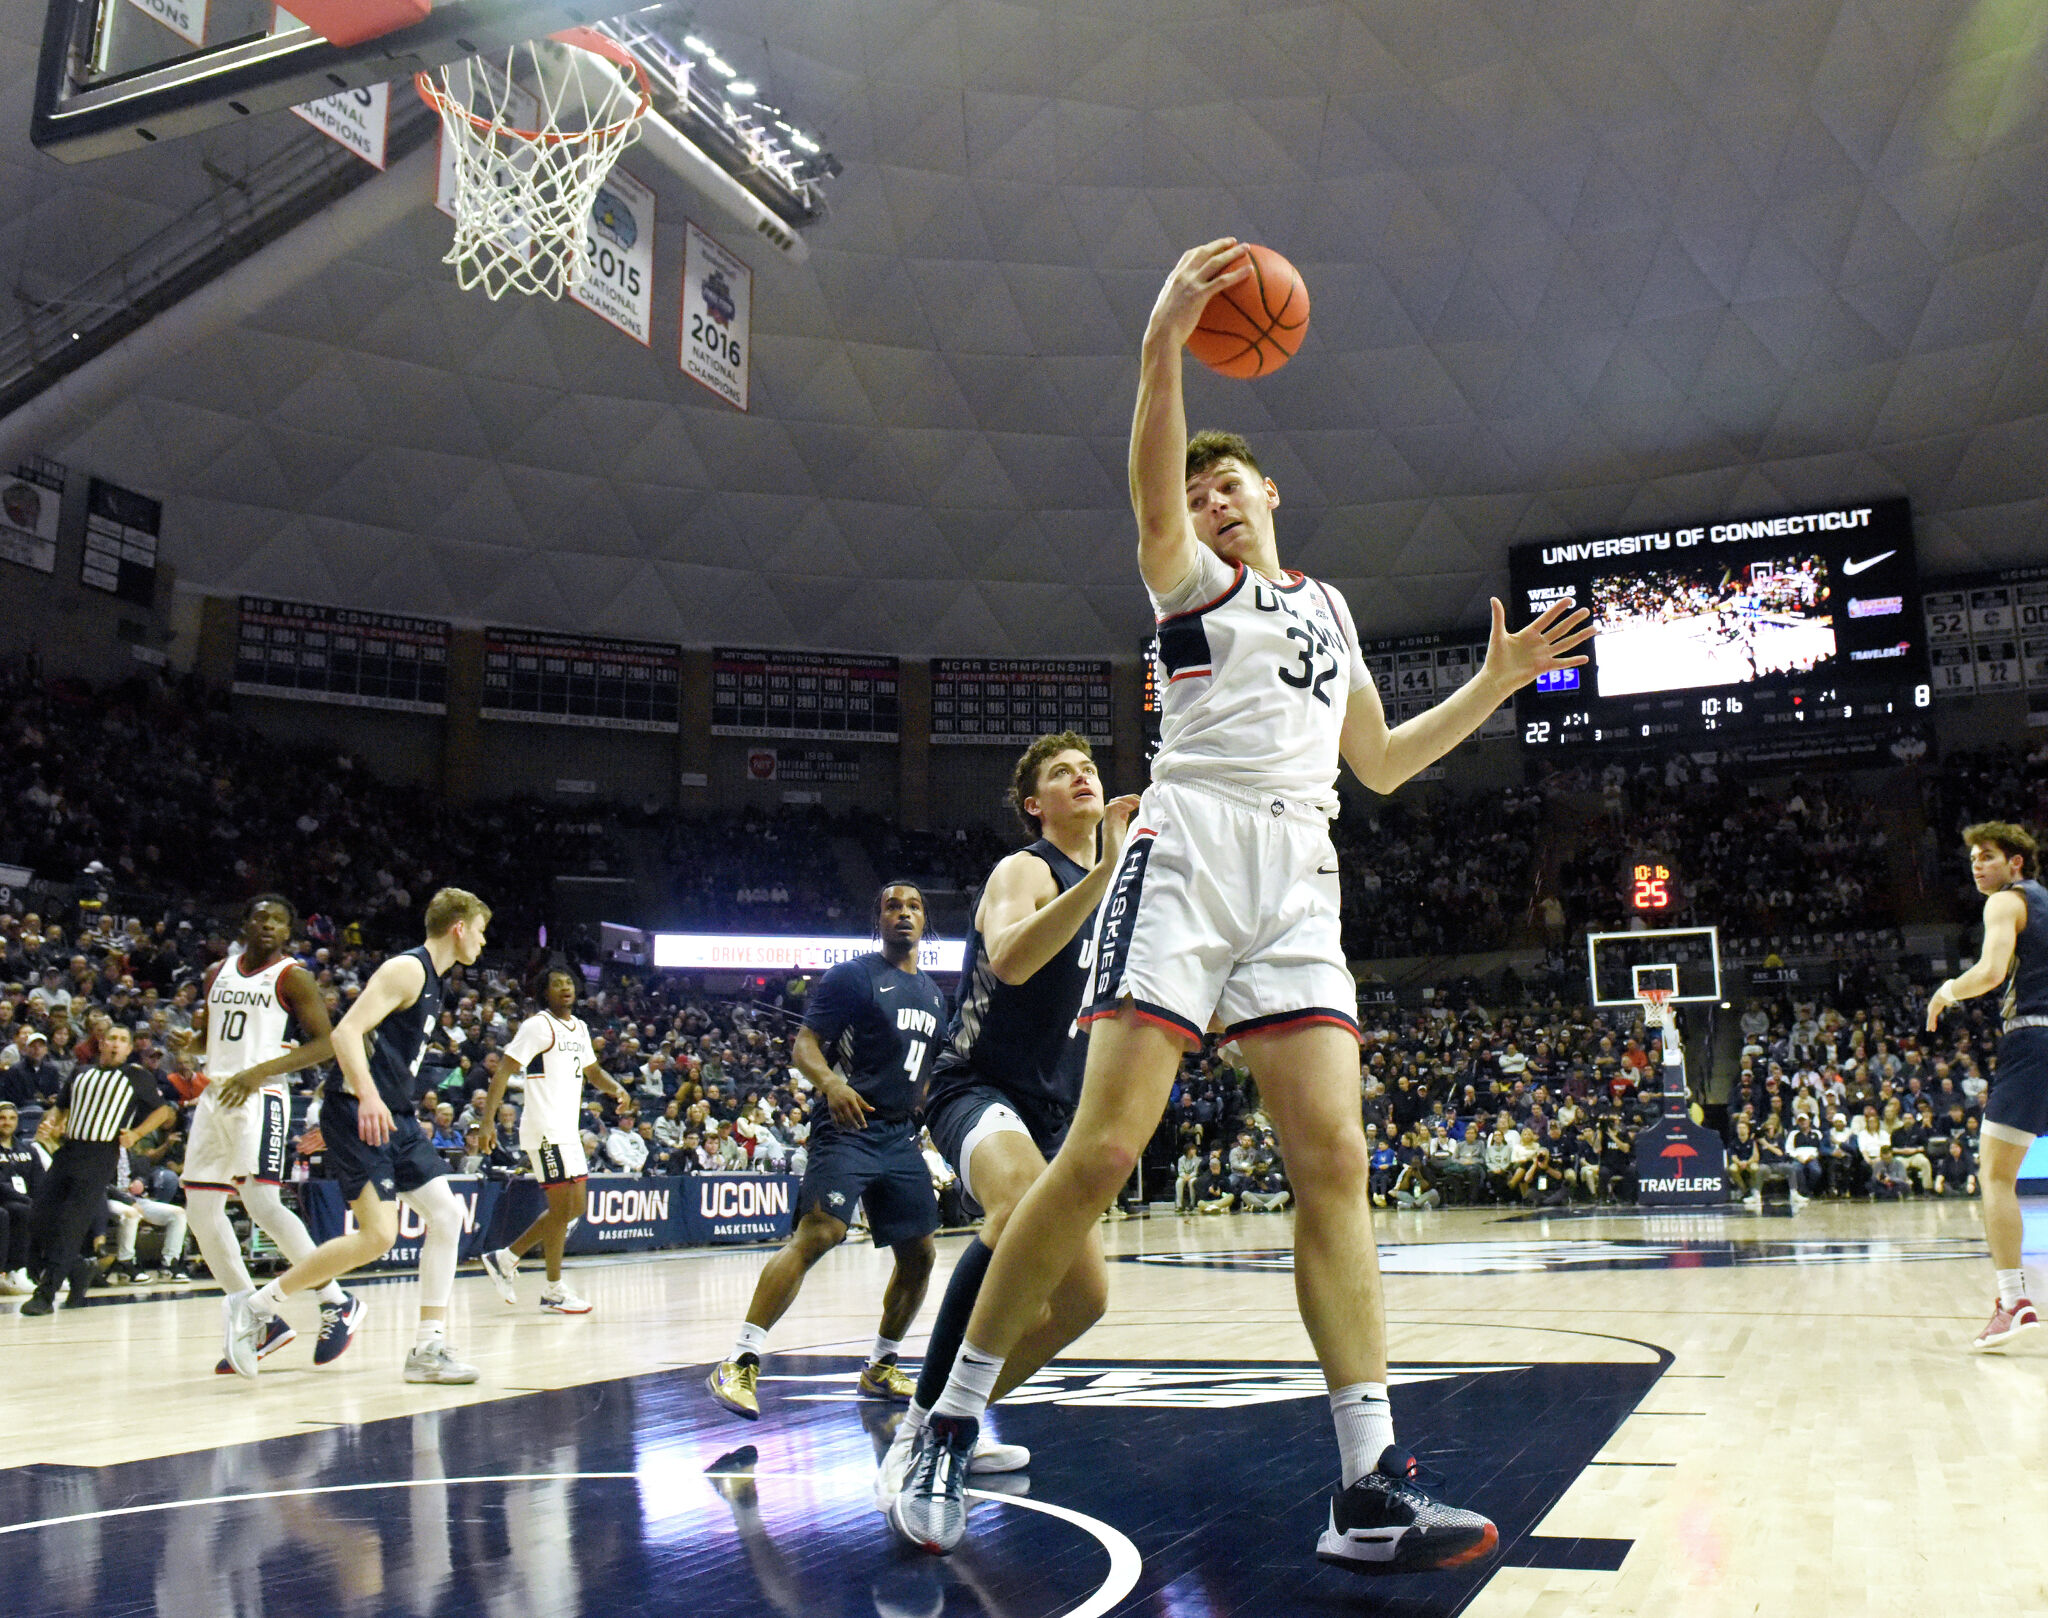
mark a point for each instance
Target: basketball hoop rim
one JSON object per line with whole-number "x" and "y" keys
{"x": 435, "y": 95}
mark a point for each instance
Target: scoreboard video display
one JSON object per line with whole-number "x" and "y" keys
{"x": 1016, "y": 700}
{"x": 805, "y": 696}
{"x": 311, "y": 653}
{"x": 541, "y": 678}
{"x": 1730, "y": 629}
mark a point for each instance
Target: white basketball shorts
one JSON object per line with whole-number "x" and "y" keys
{"x": 556, "y": 1162}
{"x": 231, "y": 1144}
{"x": 1224, "y": 905}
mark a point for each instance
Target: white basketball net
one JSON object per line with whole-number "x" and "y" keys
{"x": 528, "y": 163}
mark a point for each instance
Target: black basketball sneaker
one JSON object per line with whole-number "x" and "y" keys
{"x": 1387, "y": 1523}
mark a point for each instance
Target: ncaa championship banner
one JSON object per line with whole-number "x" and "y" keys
{"x": 619, "y": 284}
{"x": 718, "y": 302}
{"x": 359, "y": 119}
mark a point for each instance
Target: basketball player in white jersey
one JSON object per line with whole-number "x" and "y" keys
{"x": 549, "y": 1135}
{"x": 240, "y": 1127}
{"x": 1224, "y": 907}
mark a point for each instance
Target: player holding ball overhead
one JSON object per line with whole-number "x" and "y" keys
{"x": 1224, "y": 906}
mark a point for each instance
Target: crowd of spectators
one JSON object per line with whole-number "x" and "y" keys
{"x": 1972, "y": 785}
{"x": 758, "y": 870}
{"x": 1809, "y": 859}
{"x": 1454, "y": 874}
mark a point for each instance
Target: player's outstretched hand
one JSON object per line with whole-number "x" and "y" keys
{"x": 1201, "y": 273}
{"x": 373, "y": 1120}
{"x": 1116, "y": 825}
{"x": 849, "y": 1109}
{"x": 1538, "y": 647}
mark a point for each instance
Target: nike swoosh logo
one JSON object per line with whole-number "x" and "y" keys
{"x": 1332, "y": 871}
{"x": 1851, "y": 569}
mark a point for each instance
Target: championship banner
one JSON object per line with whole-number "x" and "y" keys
{"x": 185, "y": 18}
{"x": 358, "y": 119}
{"x": 29, "y": 508}
{"x": 1988, "y": 631}
{"x": 718, "y": 294}
{"x": 327, "y": 1217}
{"x": 804, "y": 696}
{"x": 522, "y": 109}
{"x": 310, "y": 653}
{"x": 1014, "y": 701}
{"x": 619, "y": 284}
{"x": 585, "y": 680}
{"x": 121, "y": 529}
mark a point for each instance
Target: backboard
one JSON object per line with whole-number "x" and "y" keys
{"x": 116, "y": 75}
{"x": 1619, "y": 966}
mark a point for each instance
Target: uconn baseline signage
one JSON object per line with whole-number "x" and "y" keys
{"x": 621, "y": 1213}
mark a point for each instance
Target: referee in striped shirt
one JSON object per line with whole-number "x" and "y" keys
{"x": 92, "y": 1115}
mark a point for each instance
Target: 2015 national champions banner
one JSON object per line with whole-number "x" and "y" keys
{"x": 621, "y": 1213}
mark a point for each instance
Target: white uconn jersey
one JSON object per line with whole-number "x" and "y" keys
{"x": 554, "y": 1094}
{"x": 1254, "y": 679}
{"x": 245, "y": 1018}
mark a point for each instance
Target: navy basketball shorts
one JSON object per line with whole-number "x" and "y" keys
{"x": 2019, "y": 1093}
{"x": 1224, "y": 905}
{"x": 961, "y": 1119}
{"x": 405, "y": 1162}
{"x": 881, "y": 1166}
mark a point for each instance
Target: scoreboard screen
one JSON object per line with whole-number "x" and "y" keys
{"x": 1016, "y": 700}
{"x": 804, "y": 696}
{"x": 310, "y": 653}
{"x": 541, "y": 678}
{"x": 1706, "y": 633}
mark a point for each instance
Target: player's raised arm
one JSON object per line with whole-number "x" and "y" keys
{"x": 1159, "y": 429}
{"x": 2004, "y": 915}
{"x": 392, "y": 987}
{"x": 1384, "y": 758}
{"x": 1026, "y": 920}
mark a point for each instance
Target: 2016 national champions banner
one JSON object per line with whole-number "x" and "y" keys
{"x": 621, "y": 1213}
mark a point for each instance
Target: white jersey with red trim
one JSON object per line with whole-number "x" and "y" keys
{"x": 246, "y": 1019}
{"x": 1254, "y": 679}
{"x": 554, "y": 1095}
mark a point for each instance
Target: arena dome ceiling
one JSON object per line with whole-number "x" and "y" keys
{"x": 1576, "y": 267}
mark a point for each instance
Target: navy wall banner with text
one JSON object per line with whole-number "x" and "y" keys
{"x": 327, "y": 1217}
{"x": 738, "y": 1207}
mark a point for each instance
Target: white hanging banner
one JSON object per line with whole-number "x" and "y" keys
{"x": 185, "y": 18}
{"x": 358, "y": 119}
{"x": 718, "y": 293}
{"x": 619, "y": 284}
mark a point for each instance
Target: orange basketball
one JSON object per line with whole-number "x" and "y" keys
{"x": 1253, "y": 328}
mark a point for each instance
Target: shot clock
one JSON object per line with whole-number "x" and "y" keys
{"x": 1651, "y": 884}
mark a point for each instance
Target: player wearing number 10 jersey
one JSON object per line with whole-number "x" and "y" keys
{"x": 867, "y": 1043}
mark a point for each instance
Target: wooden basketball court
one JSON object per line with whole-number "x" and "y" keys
{"x": 1701, "y": 1413}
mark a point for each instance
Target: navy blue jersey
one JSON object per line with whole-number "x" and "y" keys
{"x": 878, "y": 1027}
{"x": 2026, "y": 984}
{"x": 1020, "y": 1037}
{"x": 399, "y": 1042}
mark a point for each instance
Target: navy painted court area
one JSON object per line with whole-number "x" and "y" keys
{"x": 1156, "y": 1488}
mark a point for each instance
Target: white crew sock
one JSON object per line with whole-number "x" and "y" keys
{"x": 266, "y": 1300}
{"x": 1365, "y": 1426}
{"x": 752, "y": 1340}
{"x": 431, "y": 1332}
{"x": 2012, "y": 1286}
{"x": 968, "y": 1388}
{"x": 885, "y": 1349}
{"x": 916, "y": 1416}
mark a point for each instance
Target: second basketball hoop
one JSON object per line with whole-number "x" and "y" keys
{"x": 534, "y": 133}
